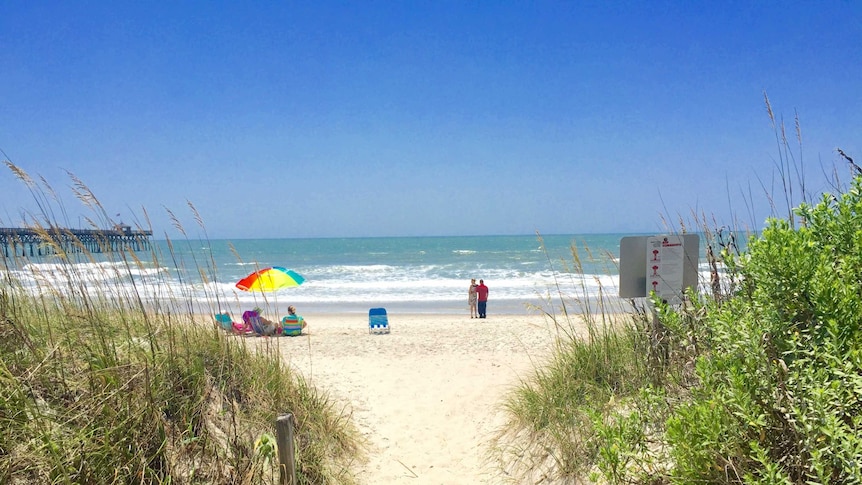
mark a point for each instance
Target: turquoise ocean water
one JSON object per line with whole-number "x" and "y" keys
{"x": 408, "y": 274}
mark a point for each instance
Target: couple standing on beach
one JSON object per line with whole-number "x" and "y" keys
{"x": 477, "y": 297}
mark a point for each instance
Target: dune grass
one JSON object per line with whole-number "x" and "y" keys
{"x": 756, "y": 379}
{"x": 107, "y": 386}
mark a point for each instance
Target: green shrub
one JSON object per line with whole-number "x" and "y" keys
{"x": 759, "y": 383}
{"x": 781, "y": 386}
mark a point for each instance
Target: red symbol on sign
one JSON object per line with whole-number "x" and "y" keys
{"x": 654, "y": 285}
{"x": 655, "y": 270}
{"x": 655, "y": 254}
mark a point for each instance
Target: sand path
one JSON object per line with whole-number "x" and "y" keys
{"x": 426, "y": 396}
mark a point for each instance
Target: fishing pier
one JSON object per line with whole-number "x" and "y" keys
{"x": 52, "y": 240}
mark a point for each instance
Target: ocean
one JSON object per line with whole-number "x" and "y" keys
{"x": 402, "y": 274}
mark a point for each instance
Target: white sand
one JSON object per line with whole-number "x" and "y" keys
{"x": 426, "y": 396}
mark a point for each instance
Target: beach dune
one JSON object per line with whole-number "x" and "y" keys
{"x": 426, "y": 396}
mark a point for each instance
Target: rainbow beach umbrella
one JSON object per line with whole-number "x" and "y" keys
{"x": 270, "y": 279}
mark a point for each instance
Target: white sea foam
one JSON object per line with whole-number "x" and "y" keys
{"x": 429, "y": 272}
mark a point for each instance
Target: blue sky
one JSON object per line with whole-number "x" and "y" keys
{"x": 295, "y": 119}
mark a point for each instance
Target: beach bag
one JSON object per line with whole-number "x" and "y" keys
{"x": 268, "y": 329}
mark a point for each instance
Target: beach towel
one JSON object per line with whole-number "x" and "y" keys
{"x": 291, "y": 325}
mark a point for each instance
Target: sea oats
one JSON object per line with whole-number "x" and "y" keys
{"x": 769, "y": 109}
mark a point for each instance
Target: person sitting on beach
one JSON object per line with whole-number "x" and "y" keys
{"x": 255, "y": 321}
{"x": 292, "y": 324}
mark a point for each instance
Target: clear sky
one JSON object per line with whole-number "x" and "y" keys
{"x": 386, "y": 118}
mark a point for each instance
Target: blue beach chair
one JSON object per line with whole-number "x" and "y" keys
{"x": 378, "y": 322}
{"x": 225, "y": 321}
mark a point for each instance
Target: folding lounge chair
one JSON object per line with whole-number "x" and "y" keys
{"x": 251, "y": 318}
{"x": 378, "y": 321}
{"x": 225, "y": 321}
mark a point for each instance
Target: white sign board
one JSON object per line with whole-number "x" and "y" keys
{"x": 665, "y": 259}
{"x": 675, "y": 265}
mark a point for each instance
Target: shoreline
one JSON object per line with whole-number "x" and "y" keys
{"x": 273, "y": 309}
{"x": 503, "y": 308}
{"x": 428, "y": 396}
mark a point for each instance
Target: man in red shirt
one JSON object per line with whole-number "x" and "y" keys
{"x": 482, "y": 292}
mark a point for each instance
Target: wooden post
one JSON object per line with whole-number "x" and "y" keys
{"x": 286, "y": 449}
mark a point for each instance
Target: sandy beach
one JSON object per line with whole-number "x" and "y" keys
{"x": 427, "y": 395}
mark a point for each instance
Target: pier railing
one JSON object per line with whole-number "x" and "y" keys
{"x": 51, "y": 240}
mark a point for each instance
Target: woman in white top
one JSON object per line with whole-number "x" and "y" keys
{"x": 473, "y": 298}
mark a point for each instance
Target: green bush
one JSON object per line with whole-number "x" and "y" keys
{"x": 780, "y": 395}
{"x": 758, "y": 383}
